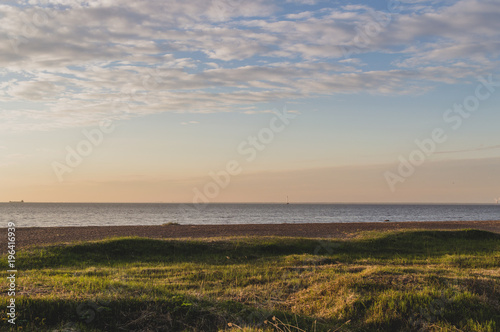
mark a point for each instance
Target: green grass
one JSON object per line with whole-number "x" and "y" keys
{"x": 394, "y": 281}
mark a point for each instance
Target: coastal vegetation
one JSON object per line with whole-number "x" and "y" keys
{"x": 379, "y": 281}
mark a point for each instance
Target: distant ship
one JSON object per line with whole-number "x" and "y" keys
{"x": 16, "y": 201}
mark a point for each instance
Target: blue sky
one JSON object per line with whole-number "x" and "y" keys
{"x": 184, "y": 83}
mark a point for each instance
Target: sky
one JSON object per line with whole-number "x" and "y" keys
{"x": 250, "y": 101}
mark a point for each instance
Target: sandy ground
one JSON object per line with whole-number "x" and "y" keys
{"x": 50, "y": 235}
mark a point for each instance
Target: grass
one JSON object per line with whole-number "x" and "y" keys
{"x": 392, "y": 281}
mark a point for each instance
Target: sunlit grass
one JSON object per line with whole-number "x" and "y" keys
{"x": 396, "y": 281}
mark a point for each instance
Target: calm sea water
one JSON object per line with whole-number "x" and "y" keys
{"x": 105, "y": 214}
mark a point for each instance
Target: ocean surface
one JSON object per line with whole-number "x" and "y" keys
{"x": 114, "y": 214}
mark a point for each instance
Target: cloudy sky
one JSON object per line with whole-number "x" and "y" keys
{"x": 249, "y": 101}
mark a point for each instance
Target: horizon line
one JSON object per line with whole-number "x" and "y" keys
{"x": 255, "y": 202}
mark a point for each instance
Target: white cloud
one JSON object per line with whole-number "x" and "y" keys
{"x": 34, "y": 90}
{"x": 84, "y": 61}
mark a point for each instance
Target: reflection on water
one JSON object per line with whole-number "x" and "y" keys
{"x": 96, "y": 214}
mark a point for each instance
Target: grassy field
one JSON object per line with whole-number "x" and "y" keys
{"x": 396, "y": 281}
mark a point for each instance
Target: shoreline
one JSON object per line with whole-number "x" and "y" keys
{"x": 30, "y": 236}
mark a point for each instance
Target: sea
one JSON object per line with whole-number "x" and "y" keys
{"x": 117, "y": 214}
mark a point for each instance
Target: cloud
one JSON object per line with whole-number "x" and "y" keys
{"x": 482, "y": 148}
{"x": 34, "y": 90}
{"x": 76, "y": 62}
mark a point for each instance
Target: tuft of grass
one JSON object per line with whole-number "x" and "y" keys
{"x": 392, "y": 281}
{"x": 171, "y": 223}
